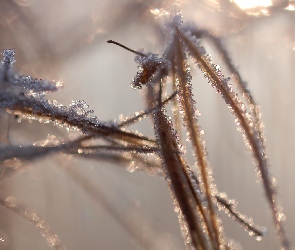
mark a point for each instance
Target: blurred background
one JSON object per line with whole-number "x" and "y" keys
{"x": 66, "y": 41}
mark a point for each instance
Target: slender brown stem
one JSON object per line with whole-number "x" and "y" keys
{"x": 146, "y": 112}
{"x": 184, "y": 88}
{"x": 123, "y": 46}
{"x": 251, "y": 134}
{"x": 179, "y": 181}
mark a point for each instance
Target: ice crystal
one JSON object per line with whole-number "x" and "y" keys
{"x": 8, "y": 58}
{"x": 35, "y": 85}
{"x": 149, "y": 65}
{"x": 22, "y": 83}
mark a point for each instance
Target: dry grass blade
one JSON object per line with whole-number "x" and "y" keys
{"x": 241, "y": 84}
{"x": 44, "y": 110}
{"x": 144, "y": 113}
{"x": 229, "y": 207}
{"x": 252, "y": 136}
{"x": 130, "y": 161}
{"x": 180, "y": 183}
{"x": 13, "y": 158}
{"x": 176, "y": 110}
{"x": 190, "y": 119}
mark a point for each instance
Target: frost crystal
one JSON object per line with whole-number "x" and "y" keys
{"x": 35, "y": 85}
{"x": 22, "y": 83}
{"x": 6, "y": 64}
{"x": 149, "y": 65}
{"x": 8, "y": 58}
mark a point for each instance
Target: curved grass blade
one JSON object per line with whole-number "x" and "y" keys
{"x": 144, "y": 113}
{"x": 191, "y": 123}
{"x": 180, "y": 183}
{"x": 249, "y": 131}
{"x": 229, "y": 206}
{"x": 241, "y": 84}
{"x": 45, "y": 111}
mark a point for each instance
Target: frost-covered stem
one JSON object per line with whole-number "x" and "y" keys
{"x": 7, "y": 63}
{"x": 187, "y": 104}
{"x": 142, "y": 164}
{"x": 176, "y": 111}
{"x": 43, "y": 109}
{"x": 229, "y": 207}
{"x": 252, "y": 136}
{"x": 241, "y": 84}
{"x": 29, "y": 152}
{"x": 144, "y": 113}
{"x": 151, "y": 167}
{"x": 226, "y": 205}
{"x": 180, "y": 183}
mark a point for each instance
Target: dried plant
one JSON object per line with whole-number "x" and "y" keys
{"x": 195, "y": 195}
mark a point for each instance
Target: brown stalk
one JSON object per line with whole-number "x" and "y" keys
{"x": 144, "y": 113}
{"x": 180, "y": 183}
{"x": 253, "y": 137}
{"x": 125, "y": 47}
{"x": 242, "y": 85}
{"x": 226, "y": 205}
{"x": 33, "y": 107}
{"x": 185, "y": 97}
{"x": 176, "y": 113}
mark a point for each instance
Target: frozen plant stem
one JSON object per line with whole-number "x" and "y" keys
{"x": 252, "y": 136}
{"x": 175, "y": 60}
{"x": 190, "y": 119}
{"x": 180, "y": 184}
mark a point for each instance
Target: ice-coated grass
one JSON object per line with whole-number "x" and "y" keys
{"x": 195, "y": 195}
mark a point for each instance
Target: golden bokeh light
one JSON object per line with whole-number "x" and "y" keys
{"x": 250, "y": 4}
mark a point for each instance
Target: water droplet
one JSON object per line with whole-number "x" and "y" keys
{"x": 149, "y": 65}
